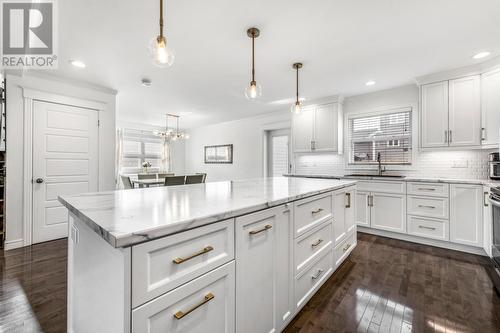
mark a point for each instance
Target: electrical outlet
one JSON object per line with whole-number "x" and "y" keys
{"x": 460, "y": 164}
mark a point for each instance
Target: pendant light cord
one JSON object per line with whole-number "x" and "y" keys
{"x": 297, "y": 84}
{"x": 161, "y": 18}
{"x": 253, "y": 58}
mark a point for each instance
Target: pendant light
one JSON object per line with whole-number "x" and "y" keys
{"x": 159, "y": 52}
{"x": 297, "y": 106}
{"x": 254, "y": 90}
{"x": 171, "y": 134}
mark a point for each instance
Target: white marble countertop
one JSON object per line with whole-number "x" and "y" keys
{"x": 127, "y": 217}
{"x": 486, "y": 182}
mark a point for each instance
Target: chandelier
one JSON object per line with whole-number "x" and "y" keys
{"x": 172, "y": 134}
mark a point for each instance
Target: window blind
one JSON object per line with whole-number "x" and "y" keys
{"x": 388, "y": 134}
{"x": 138, "y": 147}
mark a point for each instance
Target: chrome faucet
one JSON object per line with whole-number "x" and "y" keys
{"x": 380, "y": 168}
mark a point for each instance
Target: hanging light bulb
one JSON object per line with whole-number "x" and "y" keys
{"x": 160, "y": 53}
{"x": 297, "y": 106}
{"x": 254, "y": 90}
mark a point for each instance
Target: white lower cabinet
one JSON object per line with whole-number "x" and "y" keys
{"x": 388, "y": 212}
{"x": 344, "y": 202}
{"x": 429, "y": 227}
{"x": 345, "y": 248}
{"x": 205, "y": 304}
{"x": 311, "y": 279}
{"x": 363, "y": 209}
{"x": 466, "y": 214}
{"x": 264, "y": 270}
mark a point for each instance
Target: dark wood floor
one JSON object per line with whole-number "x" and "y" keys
{"x": 385, "y": 286}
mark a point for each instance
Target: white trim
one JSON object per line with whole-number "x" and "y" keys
{"x": 14, "y": 244}
{"x": 424, "y": 241}
{"x": 29, "y": 97}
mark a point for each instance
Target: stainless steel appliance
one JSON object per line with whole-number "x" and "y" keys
{"x": 494, "y": 165}
{"x": 495, "y": 202}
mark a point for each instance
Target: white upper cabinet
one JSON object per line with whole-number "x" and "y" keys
{"x": 434, "y": 115}
{"x": 318, "y": 128}
{"x": 302, "y": 134}
{"x": 490, "y": 107}
{"x": 451, "y": 113}
{"x": 464, "y": 112}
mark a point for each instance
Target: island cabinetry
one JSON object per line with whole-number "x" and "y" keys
{"x": 311, "y": 212}
{"x": 161, "y": 265}
{"x": 264, "y": 270}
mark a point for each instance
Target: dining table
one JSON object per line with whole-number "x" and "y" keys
{"x": 148, "y": 182}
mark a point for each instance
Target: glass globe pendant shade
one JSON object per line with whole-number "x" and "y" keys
{"x": 160, "y": 54}
{"x": 296, "y": 107}
{"x": 253, "y": 91}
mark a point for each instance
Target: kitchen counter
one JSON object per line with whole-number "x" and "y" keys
{"x": 127, "y": 217}
{"x": 486, "y": 182}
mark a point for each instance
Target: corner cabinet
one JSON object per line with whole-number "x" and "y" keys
{"x": 264, "y": 270}
{"x": 451, "y": 113}
{"x": 318, "y": 129}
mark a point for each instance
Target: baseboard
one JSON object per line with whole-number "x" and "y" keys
{"x": 14, "y": 244}
{"x": 425, "y": 241}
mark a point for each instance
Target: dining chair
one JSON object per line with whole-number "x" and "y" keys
{"x": 175, "y": 180}
{"x": 164, "y": 175}
{"x": 194, "y": 179}
{"x": 204, "y": 176}
{"x": 127, "y": 184}
{"x": 146, "y": 176}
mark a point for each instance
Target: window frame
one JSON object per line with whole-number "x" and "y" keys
{"x": 143, "y": 137}
{"x": 381, "y": 112}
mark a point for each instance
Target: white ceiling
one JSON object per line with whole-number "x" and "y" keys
{"x": 343, "y": 44}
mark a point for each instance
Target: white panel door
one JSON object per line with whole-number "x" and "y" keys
{"x": 465, "y": 112}
{"x": 490, "y": 105}
{"x": 326, "y": 128}
{"x": 65, "y": 161}
{"x": 302, "y": 130}
{"x": 362, "y": 209}
{"x": 278, "y": 158}
{"x": 434, "y": 115}
{"x": 466, "y": 214}
{"x": 388, "y": 212}
{"x": 338, "y": 208}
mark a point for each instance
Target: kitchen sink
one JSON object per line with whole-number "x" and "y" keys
{"x": 375, "y": 176}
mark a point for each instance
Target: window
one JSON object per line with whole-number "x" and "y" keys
{"x": 139, "y": 147}
{"x": 388, "y": 134}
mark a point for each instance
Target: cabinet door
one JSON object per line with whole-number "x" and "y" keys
{"x": 338, "y": 207}
{"x": 465, "y": 112}
{"x": 362, "y": 209}
{"x": 302, "y": 131}
{"x": 490, "y": 105}
{"x": 388, "y": 212}
{"x": 262, "y": 291}
{"x": 466, "y": 218}
{"x": 488, "y": 223}
{"x": 326, "y": 126}
{"x": 350, "y": 211}
{"x": 434, "y": 115}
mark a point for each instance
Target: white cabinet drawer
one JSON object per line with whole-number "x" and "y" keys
{"x": 309, "y": 246}
{"x": 428, "y": 206}
{"x": 164, "y": 264}
{"x": 343, "y": 250}
{"x": 428, "y": 189}
{"x": 381, "y": 186}
{"x": 205, "y": 304}
{"x": 310, "y": 212}
{"x": 428, "y": 227}
{"x": 311, "y": 279}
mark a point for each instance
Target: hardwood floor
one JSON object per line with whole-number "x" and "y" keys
{"x": 386, "y": 286}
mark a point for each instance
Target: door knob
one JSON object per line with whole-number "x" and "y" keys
{"x": 39, "y": 180}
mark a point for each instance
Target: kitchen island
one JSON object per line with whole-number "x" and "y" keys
{"x": 235, "y": 256}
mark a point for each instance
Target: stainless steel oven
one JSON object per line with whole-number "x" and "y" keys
{"x": 495, "y": 202}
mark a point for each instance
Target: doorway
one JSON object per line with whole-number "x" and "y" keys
{"x": 278, "y": 149}
{"x": 65, "y": 162}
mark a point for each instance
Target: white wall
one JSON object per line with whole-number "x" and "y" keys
{"x": 247, "y": 137}
{"x": 15, "y": 233}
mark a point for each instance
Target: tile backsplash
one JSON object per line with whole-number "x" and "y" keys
{"x": 464, "y": 164}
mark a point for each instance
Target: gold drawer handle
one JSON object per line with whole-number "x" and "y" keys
{"x": 314, "y": 277}
{"x": 181, "y": 314}
{"x": 346, "y": 248}
{"x": 319, "y": 241}
{"x": 254, "y": 232}
{"x": 424, "y": 227}
{"x": 316, "y": 211}
{"x": 426, "y": 189}
{"x": 348, "y": 195}
{"x": 426, "y": 206}
{"x": 181, "y": 260}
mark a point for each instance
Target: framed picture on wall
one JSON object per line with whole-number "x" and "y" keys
{"x": 220, "y": 154}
